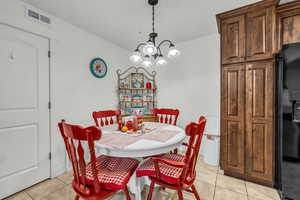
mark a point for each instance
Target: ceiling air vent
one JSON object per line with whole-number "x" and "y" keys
{"x": 45, "y": 19}
{"x": 33, "y": 14}
{"x": 37, "y": 16}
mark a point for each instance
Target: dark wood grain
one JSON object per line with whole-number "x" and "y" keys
{"x": 233, "y": 148}
{"x": 233, "y": 40}
{"x": 291, "y": 29}
{"x": 288, "y": 24}
{"x": 244, "y": 10}
{"x": 259, "y": 121}
{"x": 260, "y": 34}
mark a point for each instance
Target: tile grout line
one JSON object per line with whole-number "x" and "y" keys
{"x": 244, "y": 183}
{"x": 28, "y": 195}
{"x": 246, "y": 190}
{"x": 216, "y": 184}
{"x": 60, "y": 180}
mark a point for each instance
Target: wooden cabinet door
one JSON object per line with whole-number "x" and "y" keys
{"x": 232, "y": 122}
{"x": 260, "y": 34}
{"x": 233, "y": 40}
{"x": 259, "y": 122}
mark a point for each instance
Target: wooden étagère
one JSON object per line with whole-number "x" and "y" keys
{"x": 137, "y": 92}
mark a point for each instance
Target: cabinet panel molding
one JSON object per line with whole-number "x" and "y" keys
{"x": 233, "y": 40}
{"x": 259, "y": 122}
{"x": 260, "y": 34}
{"x": 232, "y": 125}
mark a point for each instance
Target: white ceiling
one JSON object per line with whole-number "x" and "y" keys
{"x": 127, "y": 22}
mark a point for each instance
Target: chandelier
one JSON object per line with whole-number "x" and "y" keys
{"x": 148, "y": 53}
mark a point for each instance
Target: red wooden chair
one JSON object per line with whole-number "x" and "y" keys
{"x": 102, "y": 176}
{"x": 106, "y": 117}
{"x": 176, "y": 171}
{"x": 165, "y": 115}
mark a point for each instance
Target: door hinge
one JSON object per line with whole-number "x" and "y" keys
{"x": 49, "y": 54}
{"x": 49, "y": 105}
{"x": 50, "y": 155}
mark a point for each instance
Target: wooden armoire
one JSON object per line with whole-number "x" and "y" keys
{"x": 250, "y": 38}
{"x": 248, "y": 45}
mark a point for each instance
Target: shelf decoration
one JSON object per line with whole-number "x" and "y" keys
{"x": 137, "y": 91}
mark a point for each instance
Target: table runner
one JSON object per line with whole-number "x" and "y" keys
{"x": 118, "y": 140}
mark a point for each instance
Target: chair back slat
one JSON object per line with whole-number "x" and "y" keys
{"x": 166, "y": 119}
{"x": 170, "y": 120}
{"x": 74, "y": 160}
{"x": 161, "y": 119}
{"x": 74, "y": 135}
{"x": 195, "y": 132}
{"x": 167, "y": 116}
{"x": 82, "y": 164}
{"x": 106, "y": 117}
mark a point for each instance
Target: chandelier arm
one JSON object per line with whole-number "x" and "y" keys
{"x": 139, "y": 45}
{"x": 159, "y": 50}
{"x": 162, "y": 42}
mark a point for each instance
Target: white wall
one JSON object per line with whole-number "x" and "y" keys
{"x": 75, "y": 93}
{"x": 191, "y": 82}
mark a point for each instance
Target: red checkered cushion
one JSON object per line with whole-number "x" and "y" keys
{"x": 168, "y": 173}
{"x": 113, "y": 173}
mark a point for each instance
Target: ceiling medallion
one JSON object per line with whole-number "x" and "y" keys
{"x": 148, "y": 53}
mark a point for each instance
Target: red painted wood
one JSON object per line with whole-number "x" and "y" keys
{"x": 73, "y": 136}
{"x": 106, "y": 117}
{"x": 151, "y": 191}
{"x": 195, "y": 132}
{"x": 167, "y": 116}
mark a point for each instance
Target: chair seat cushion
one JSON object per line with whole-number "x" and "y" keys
{"x": 113, "y": 173}
{"x": 168, "y": 173}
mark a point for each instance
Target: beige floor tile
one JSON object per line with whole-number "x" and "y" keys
{"x": 159, "y": 193}
{"x": 253, "y": 198}
{"x": 45, "y": 188}
{"x": 19, "y": 196}
{"x": 65, "y": 193}
{"x": 261, "y": 192}
{"x": 224, "y": 194}
{"x": 221, "y": 171}
{"x": 202, "y": 165}
{"x": 233, "y": 184}
{"x": 67, "y": 177}
{"x": 205, "y": 190}
{"x": 206, "y": 176}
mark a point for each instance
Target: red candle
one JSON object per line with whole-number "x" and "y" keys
{"x": 148, "y": 85}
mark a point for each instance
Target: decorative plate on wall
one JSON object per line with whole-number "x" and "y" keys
{"x": 98, "y": 67}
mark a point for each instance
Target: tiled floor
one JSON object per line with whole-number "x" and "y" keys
{"x": 211, "y": 184}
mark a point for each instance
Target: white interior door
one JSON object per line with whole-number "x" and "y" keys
{"x": 24, "y": 114}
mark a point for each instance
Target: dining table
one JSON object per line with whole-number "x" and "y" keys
{"x": 154, "y": 139}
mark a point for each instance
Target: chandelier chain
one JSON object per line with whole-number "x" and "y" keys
{"x": 151, "y": 53}
{"x": 153, "y": 30}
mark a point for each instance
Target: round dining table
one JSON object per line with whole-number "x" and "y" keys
{"x": 160, "y": 138}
